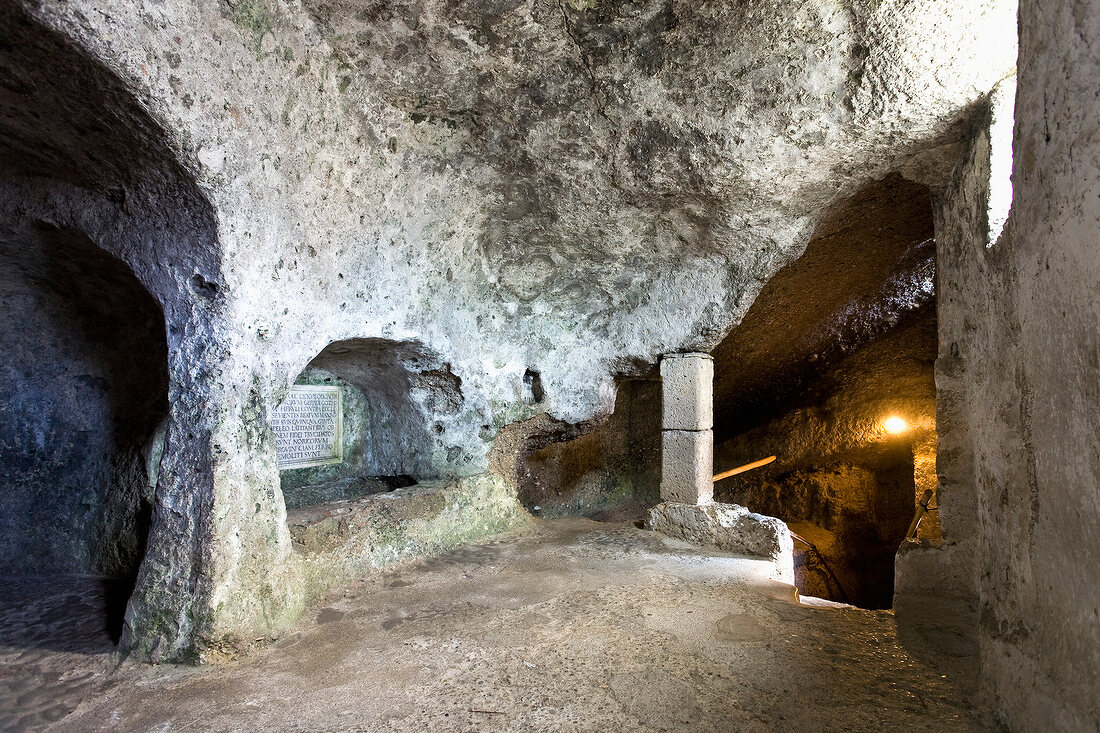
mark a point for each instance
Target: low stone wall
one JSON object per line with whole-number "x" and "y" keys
{"x": 729, "y": 527}
{"x": 345, "y": 539}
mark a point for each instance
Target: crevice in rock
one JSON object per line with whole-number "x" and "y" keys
{"x": 598, "y": 103}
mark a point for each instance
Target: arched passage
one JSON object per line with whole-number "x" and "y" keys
{"x": 837, "y": 342}
{"x": 110, "y": 261}
{"x": 83, "y": 395}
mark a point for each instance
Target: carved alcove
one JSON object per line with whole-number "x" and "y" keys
{"x": 363, "y": 417}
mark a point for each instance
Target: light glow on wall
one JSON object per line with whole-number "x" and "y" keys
{"x": 1003, "y": 104}
{"x": 895, "y": 424}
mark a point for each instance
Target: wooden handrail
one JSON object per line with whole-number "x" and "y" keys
{"x": 922, "y": 509}
{"x": 742, "y": 469}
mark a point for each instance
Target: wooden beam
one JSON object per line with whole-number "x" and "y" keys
{"x": 742, "y": 469}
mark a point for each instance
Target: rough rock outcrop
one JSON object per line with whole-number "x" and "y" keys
{"x": 728, "y": 527}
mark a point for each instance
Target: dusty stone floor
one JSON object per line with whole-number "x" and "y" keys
{"x": 565, "y": 625}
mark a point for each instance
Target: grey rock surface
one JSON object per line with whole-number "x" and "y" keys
{"x": 687, "y": 390}
{"x": 729, "y": 527}
{"x": 564, "y": 188}
{"x": 687, "y": 460}
{"x": 1020, "y": 391}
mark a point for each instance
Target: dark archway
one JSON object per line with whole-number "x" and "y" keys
{"x": 839, "y": 340}
{"x": 109, "y": 261}
{"x": 83, "y": 395}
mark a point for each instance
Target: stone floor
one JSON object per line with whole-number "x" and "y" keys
{"x": 567, "y": 625}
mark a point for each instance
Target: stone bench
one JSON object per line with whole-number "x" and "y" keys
{"x": 729, "y": 527}
{"x": 345, "y": 539}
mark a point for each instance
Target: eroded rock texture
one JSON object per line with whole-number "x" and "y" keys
{"x": 611, "y": 472}
{"x": 1020, "y": 376}
{"x": 559, "y": 190}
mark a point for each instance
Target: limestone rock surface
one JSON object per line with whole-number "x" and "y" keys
{"x": 563, "y": 188}
{"x": 728, "y": 527}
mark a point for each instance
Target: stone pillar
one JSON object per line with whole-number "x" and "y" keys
{"x": 687, "y": 438}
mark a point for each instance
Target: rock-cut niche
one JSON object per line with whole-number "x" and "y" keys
{"x": 609, "y": 471}
{"x": 83, "y": 393}
{"x": 365, "y": 416}
{"x": 99, "y": 227}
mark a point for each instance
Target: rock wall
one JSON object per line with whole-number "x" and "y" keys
{"x": 343, "y": 541}
{"x": 612, "y": 471}
{"x": 567, "y": 189}
{"x": 1019, "y": 379}
{"x": 840, "y": 480}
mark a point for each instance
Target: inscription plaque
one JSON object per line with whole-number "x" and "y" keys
{"x": 308, "y": 427}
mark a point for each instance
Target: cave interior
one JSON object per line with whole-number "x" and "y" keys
{"x": 310, "y": 305}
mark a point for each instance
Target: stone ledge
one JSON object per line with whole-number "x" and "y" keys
{"x": 347, "y": 539}
{"x": 337, "y": 490}
{"x": 729, "y": 527}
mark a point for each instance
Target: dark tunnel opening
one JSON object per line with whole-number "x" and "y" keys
{"x": 87, "y": 180}
{"x": 838, "y": 342}
{"x": 83, "y": 398}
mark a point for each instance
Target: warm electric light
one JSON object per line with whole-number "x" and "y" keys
{"x": 895, "y": 424}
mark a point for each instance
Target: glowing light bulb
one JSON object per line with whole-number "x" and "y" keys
{"x": 895, "y": 424}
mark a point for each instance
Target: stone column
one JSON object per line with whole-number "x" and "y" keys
{"x": 687, "y": 438}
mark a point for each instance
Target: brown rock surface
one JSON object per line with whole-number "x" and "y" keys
{"x": 570, "y": 624}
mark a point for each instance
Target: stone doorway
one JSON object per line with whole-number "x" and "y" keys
{"x": 839, "y": 342}
{"x": 83, "y": 404}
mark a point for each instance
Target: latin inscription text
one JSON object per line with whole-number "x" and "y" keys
{"x": 307, "y": 427}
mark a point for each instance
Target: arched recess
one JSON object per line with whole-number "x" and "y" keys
{"x": 83, "y": 396}
{"x": 110, "y": 275}
{"x": 837, "y": 342}
{"x": 364, "y": 416}
{"x": 607, "y": 471}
